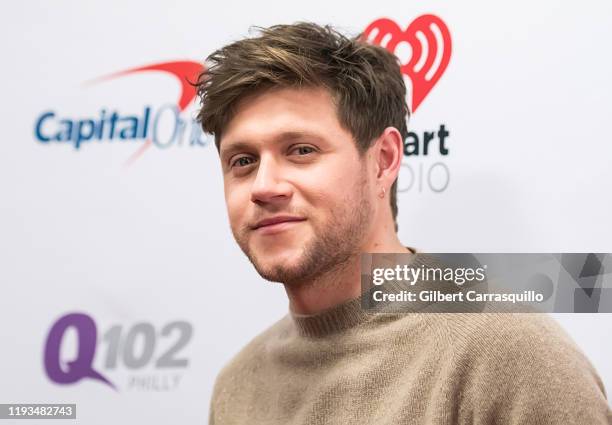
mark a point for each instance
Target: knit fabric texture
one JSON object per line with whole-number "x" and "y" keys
{"x": 347, "y": 365}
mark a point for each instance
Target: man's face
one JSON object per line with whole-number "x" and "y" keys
{"x": 297, "y": 191}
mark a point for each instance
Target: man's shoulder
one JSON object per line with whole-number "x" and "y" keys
{"x": 490, "y": 332}
{"x": 522, "y": 339}
{"x": 517, "y": 363}
{"x": 527, "y": 334}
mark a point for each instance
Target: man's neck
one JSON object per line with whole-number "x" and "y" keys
{"x": 336, "y": 286}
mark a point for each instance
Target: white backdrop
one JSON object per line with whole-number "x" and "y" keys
{"x": 137, "y": 238}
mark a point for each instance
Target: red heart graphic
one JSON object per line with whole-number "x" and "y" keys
{"x": 430, "y": 41}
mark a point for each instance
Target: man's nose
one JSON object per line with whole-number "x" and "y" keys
{"x": 269, "y": 184}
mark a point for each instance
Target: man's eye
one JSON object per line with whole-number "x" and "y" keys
{"x": 243, "y": 161}
{"x": 303, "y": 150}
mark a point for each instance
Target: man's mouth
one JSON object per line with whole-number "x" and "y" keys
{"x": 277, "y": 222}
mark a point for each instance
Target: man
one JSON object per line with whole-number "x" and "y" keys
{"x": 310, "y": 127}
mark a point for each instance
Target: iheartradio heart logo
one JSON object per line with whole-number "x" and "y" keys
{"x": 424, "y": 50}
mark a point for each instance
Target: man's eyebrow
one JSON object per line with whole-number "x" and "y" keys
{"x": 285, "y": 136}
{"x": 234, "y": 147}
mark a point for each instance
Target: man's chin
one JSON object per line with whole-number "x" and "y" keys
{"x": 279, "y": 272}
{"x": 281, "y": 267}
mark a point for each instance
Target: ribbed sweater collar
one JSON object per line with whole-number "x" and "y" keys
{"x": 338, "y": 318}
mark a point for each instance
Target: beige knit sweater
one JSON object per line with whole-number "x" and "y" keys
{"x": 348, "y": 366}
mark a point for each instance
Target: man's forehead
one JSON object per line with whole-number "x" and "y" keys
{"x": 303, "y": 100}
{"x": 281, "y": 114}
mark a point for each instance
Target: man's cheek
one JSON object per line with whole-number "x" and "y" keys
{"x": 235, "y": 200}
{"x": 236, "y": 215}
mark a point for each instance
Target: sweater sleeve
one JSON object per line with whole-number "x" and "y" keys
{"x": 532, "y": 373}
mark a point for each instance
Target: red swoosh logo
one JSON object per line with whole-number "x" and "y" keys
{"x": 183, "y": 71}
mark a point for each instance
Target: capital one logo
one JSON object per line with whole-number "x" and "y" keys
{"x": 163, "y": 126}
{"x": 136, "y": 347}
{"x": 424, "y": 51}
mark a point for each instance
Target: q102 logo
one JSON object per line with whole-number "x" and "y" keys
{"x": 133, "y": 348}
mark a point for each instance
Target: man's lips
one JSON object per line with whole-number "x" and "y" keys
{"x": 276, "y": 220}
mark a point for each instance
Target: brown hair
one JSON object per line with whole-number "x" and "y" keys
{"x": 364, "y": 80}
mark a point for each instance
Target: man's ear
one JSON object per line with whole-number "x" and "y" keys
{"x": 389, "y": 152}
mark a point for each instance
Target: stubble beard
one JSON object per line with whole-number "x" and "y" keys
{"x": 332, "y": 247}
